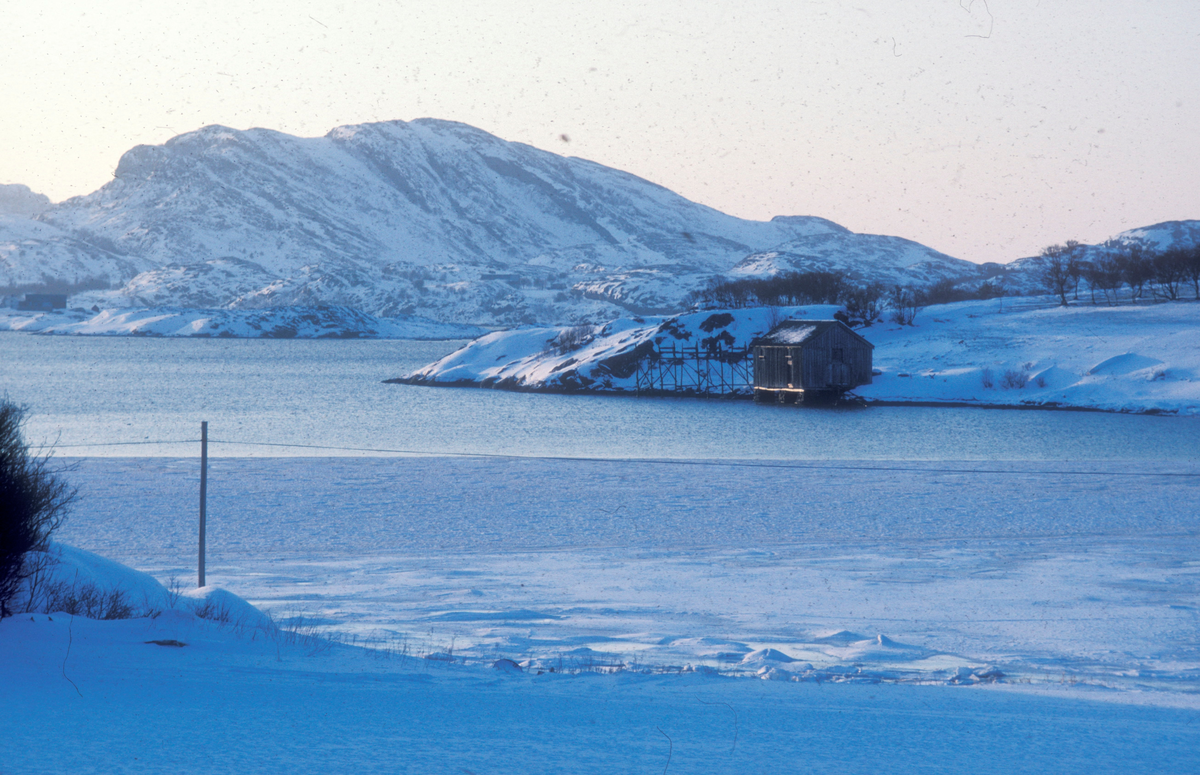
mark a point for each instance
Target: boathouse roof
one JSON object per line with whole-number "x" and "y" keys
{"x": 792, "y": 333}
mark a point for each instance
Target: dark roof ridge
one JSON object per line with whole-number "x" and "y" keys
{"x": 817, "y": 326}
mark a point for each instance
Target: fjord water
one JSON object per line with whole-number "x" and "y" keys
{"x": 1072, "y": 548}
{"x": 315, "y": 396}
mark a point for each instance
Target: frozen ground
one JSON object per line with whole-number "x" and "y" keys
{"x": 1049, "y": 573}
{"x": 707, "y": 617}
{"x": 87, "y": 696}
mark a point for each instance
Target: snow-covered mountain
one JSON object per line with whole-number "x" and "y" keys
{"x": 427, "y": 217}
{"x": 16, "y": 199}
{"x": 321, "y": 322}
{"x": 1163, "y": 235}
{"x": 891, "y": 260}
{"x": 1024, "y": 273}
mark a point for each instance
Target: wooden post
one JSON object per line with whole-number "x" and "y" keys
{"x": 203, "y": 499}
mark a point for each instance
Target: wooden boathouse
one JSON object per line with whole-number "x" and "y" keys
{"x": 801, "y": 359}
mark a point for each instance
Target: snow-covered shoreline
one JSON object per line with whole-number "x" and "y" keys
{"x": 1030, "y": 617}
{"x": 108, "y": 693}
{"x": 1036, "y": 569}
{"x": 996, "y": 354}
{"x": 322, "y": 322}
{"x": 84, "y": 695}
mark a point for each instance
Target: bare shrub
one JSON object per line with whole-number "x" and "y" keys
{"x": 571, "y": 339}
{"x": 945, "y": 291}
{"x": 905, "y": 303}
{"x": 1014, "y": 379}
{"x": 33, "y": 503}
{"x": 174, "y": 589}
{"x": 213, "y": 611}
{"x": 864, "y": 305}
{"x": 775, "y": 316}
{"x": 789, "y": 288}
{"x": 89, "y": 601}
{"x": 36, "y": 570}
{"x": 986, "y": 376}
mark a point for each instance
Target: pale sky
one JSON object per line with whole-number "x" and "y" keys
{"x": 984, "y": 130}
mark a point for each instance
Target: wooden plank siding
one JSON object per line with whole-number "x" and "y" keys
{"x": 832, "y": 358}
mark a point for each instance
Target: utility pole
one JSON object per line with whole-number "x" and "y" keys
{"x": 203, "y": 498}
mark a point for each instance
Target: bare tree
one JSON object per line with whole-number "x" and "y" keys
{"x": 33, "y": 503}
{"x": 1075, "y": 264}
{"x": 864, "y": 305}
{"x": 1191, "y": 268}
{"x": 904, "y": 303}
{"x": 945, "y": 291}
{"x": 1134, "y": 259}
{"x": 1104, "y": 275}
{"x": 1059, "y": 264}
{"x": 1169, "y": 271}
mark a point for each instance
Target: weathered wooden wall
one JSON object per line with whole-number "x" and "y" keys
{"x": 812, "y": 365}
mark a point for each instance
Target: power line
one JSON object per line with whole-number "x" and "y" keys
{"x": 655, "y": 461}
{"x": 123, "y": 443}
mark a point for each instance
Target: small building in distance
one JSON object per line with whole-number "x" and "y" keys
{"x": 801, "y": 359}
{"x": 43, "y": 302}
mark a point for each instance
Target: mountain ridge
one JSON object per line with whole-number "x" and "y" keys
{"x": 429, "y": 217}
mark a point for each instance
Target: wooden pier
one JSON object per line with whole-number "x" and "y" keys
{"x": 696, "y": 371}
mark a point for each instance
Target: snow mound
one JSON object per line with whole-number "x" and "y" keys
{"x": 767, "y": 655}
{"x": 776, "y": 674}
{"x": 1054, "y": 378}
{"x": 80, "y": 569}
{"x": 221, "y": 605}
{"x": 880, "y": 648}
{"x": 840, "y": 638}
{"x": 1123, "y": 364}
{"x": 71, "y": 572}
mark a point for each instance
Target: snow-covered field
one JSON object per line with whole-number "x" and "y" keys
{"x": 990, "y": 592}
{"x": 932, "y": 572}
{"x": 993, "y": 617}
{"x": 327, "y": 322}
{"x": 84, "y": 696}
{"x": 1143, "y": 358}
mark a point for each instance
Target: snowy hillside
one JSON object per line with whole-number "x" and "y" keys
{"x": 1024, "y": 273}
{"x": 38, "y": 254}
{"x": 889, "y": 260}
{"x": 325, "y": 322}
{"x": 1129, "y": 358}
{"x": 428, "y": 217}
{"x": 1164, "y": 235}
